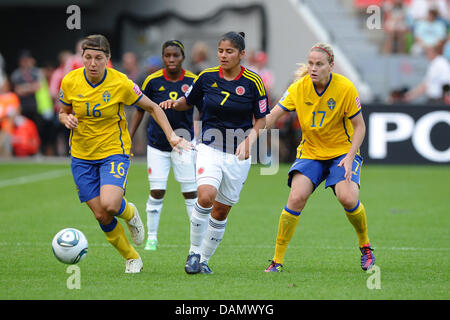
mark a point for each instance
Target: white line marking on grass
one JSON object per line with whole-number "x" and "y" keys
{"x": 34, "y": 178}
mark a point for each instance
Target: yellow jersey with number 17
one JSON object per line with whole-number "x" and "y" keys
{"x": 325, "y": 118}
{"x": 102, "y": 126}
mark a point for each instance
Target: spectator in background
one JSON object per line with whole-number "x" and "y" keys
{"x": 446, "y": 49}
{"x": 152, "y": 64}
{"x": 46, "y": 110}
{"x": 418, "y": 9}
{"x": 430, "y": 32}
{"x": 395, "y": 27}
{"x": 438, "y": 75}
{"x": 259, "y": 61}
{"x": 18, "y": 134}
{"x": 62, "y": 135}
{"x": 9, "y": 109}
{"x": 26, "y": 80}
{"x": 74, "y": 61}
{"x": 130, "y": 65}
{"x": 199, "y": 57}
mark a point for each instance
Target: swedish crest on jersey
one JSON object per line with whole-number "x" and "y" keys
{"x": 106, "y": 96}
{"x": 331, "y": 103}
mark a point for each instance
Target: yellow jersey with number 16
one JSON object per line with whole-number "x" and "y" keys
{"x": 102, "y": 126}
{"x": 325, "y": 118}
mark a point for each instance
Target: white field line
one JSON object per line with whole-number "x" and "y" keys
{"x": 34, "y": 178}
{"x": 106, "y": 244}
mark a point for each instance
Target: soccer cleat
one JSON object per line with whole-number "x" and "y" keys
{"x": 151, "y": 245}
{"x": 134, "y": 265}
{"x": 367, "y": 257}
{"x": 274, "y": 267}
{"x": 192, "y": 263}
{"x": 136, "y": 227}
{"x": 204, "y": 268}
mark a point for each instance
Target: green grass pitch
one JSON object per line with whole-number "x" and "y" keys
{"x": 408, "y": 217}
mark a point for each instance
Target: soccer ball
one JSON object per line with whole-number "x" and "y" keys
{"x": 70, "y": 246}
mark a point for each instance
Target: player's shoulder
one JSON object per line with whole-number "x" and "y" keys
{"x": 74, "y": 74}
{"x": 342, "y": 81}
{"x": 209, "y": 72}
{"x": 190, "y": 74}
{"x": 254, "y": 78}
{"x": 116, "y": 74}
{"x": 155, "y": 76}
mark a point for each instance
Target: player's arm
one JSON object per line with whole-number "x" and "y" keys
{"x": 160, "y": 117}
{"x": 276, "y": 113}
{"x": 179, "y": 105}
{"x": 359, "y": 132}
{"x": 66, "y": 117}
{"x": 243, "y": 150}
{"x": 136, "y": 120}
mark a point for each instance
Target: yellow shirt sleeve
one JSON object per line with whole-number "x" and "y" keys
{"x": 288, "y": 100}
{"x": 64, "y": 92}
{"x": 131, "y": 93}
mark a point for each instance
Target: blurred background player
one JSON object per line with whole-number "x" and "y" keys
{"x": 329, "y": 112}
{"x": 231, "y": 97}
{"x": 92, "y": 100}
{"x": 171, "y": 82}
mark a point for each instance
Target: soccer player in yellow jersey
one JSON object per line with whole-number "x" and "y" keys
{"x": 93, "y": 99}
{"x": 329, "y": 112}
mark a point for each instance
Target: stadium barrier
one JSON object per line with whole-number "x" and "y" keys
{"x": 401, "y": 134}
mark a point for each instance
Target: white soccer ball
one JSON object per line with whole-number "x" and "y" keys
{"x": 70, "y": 246}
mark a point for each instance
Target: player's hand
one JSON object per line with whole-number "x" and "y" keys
{"x": 243, "y": 150}
{"x": 179, "y": 144}
{"x": 71, "y": 122}
{"x": 168, "y": 104}
{"x": 347, "y": 163}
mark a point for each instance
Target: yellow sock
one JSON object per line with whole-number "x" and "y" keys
{"x": 115, "y": 235}
{"x": 358, "y": 219}
{"x": 286, "y": 227}
{"x": 126, "y": 211}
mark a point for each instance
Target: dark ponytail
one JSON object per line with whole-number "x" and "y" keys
{"x": 237, "y": 39}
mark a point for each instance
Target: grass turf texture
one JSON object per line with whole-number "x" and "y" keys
{"x": 407, "y": 209}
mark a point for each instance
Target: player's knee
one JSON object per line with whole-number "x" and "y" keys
{"x": 297, "y": 201}
{"x": 157, "y": 194}
{"x": 205, "y": 200}
{"x": 347, "y": 200}
{"x": 110, "y": 208}
{"x": 103, "y": 218}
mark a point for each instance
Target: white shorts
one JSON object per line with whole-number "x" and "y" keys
{"x": 223, "y": 171}
{"x": 159, "y": 163}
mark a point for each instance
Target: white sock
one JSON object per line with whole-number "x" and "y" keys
{"x": 153, "y": 208}
{"x": 190, "y": 206}
{"x": 213, "y": 236}
{"x": 199, "y": 223}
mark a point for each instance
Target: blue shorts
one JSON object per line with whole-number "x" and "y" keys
{"x": 90, "y": 175}
{"x": 320, "y": 170}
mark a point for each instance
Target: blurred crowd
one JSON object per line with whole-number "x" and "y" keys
{"x": 419, "y": 28}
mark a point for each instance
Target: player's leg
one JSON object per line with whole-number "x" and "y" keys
{"x": 235, "y": 173}
{"x": 209, "y": 177}
{"x": 184, "y": 171}
{"x": 347, "y": 194}
{"x": 114, "y": 173}
{"x": 88, "y": 178}
{"x": 301, "y": 189}
{"x": 304, "y": 176}
{"x": 158, "y": 166}
{"x": 114, "y": 232}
